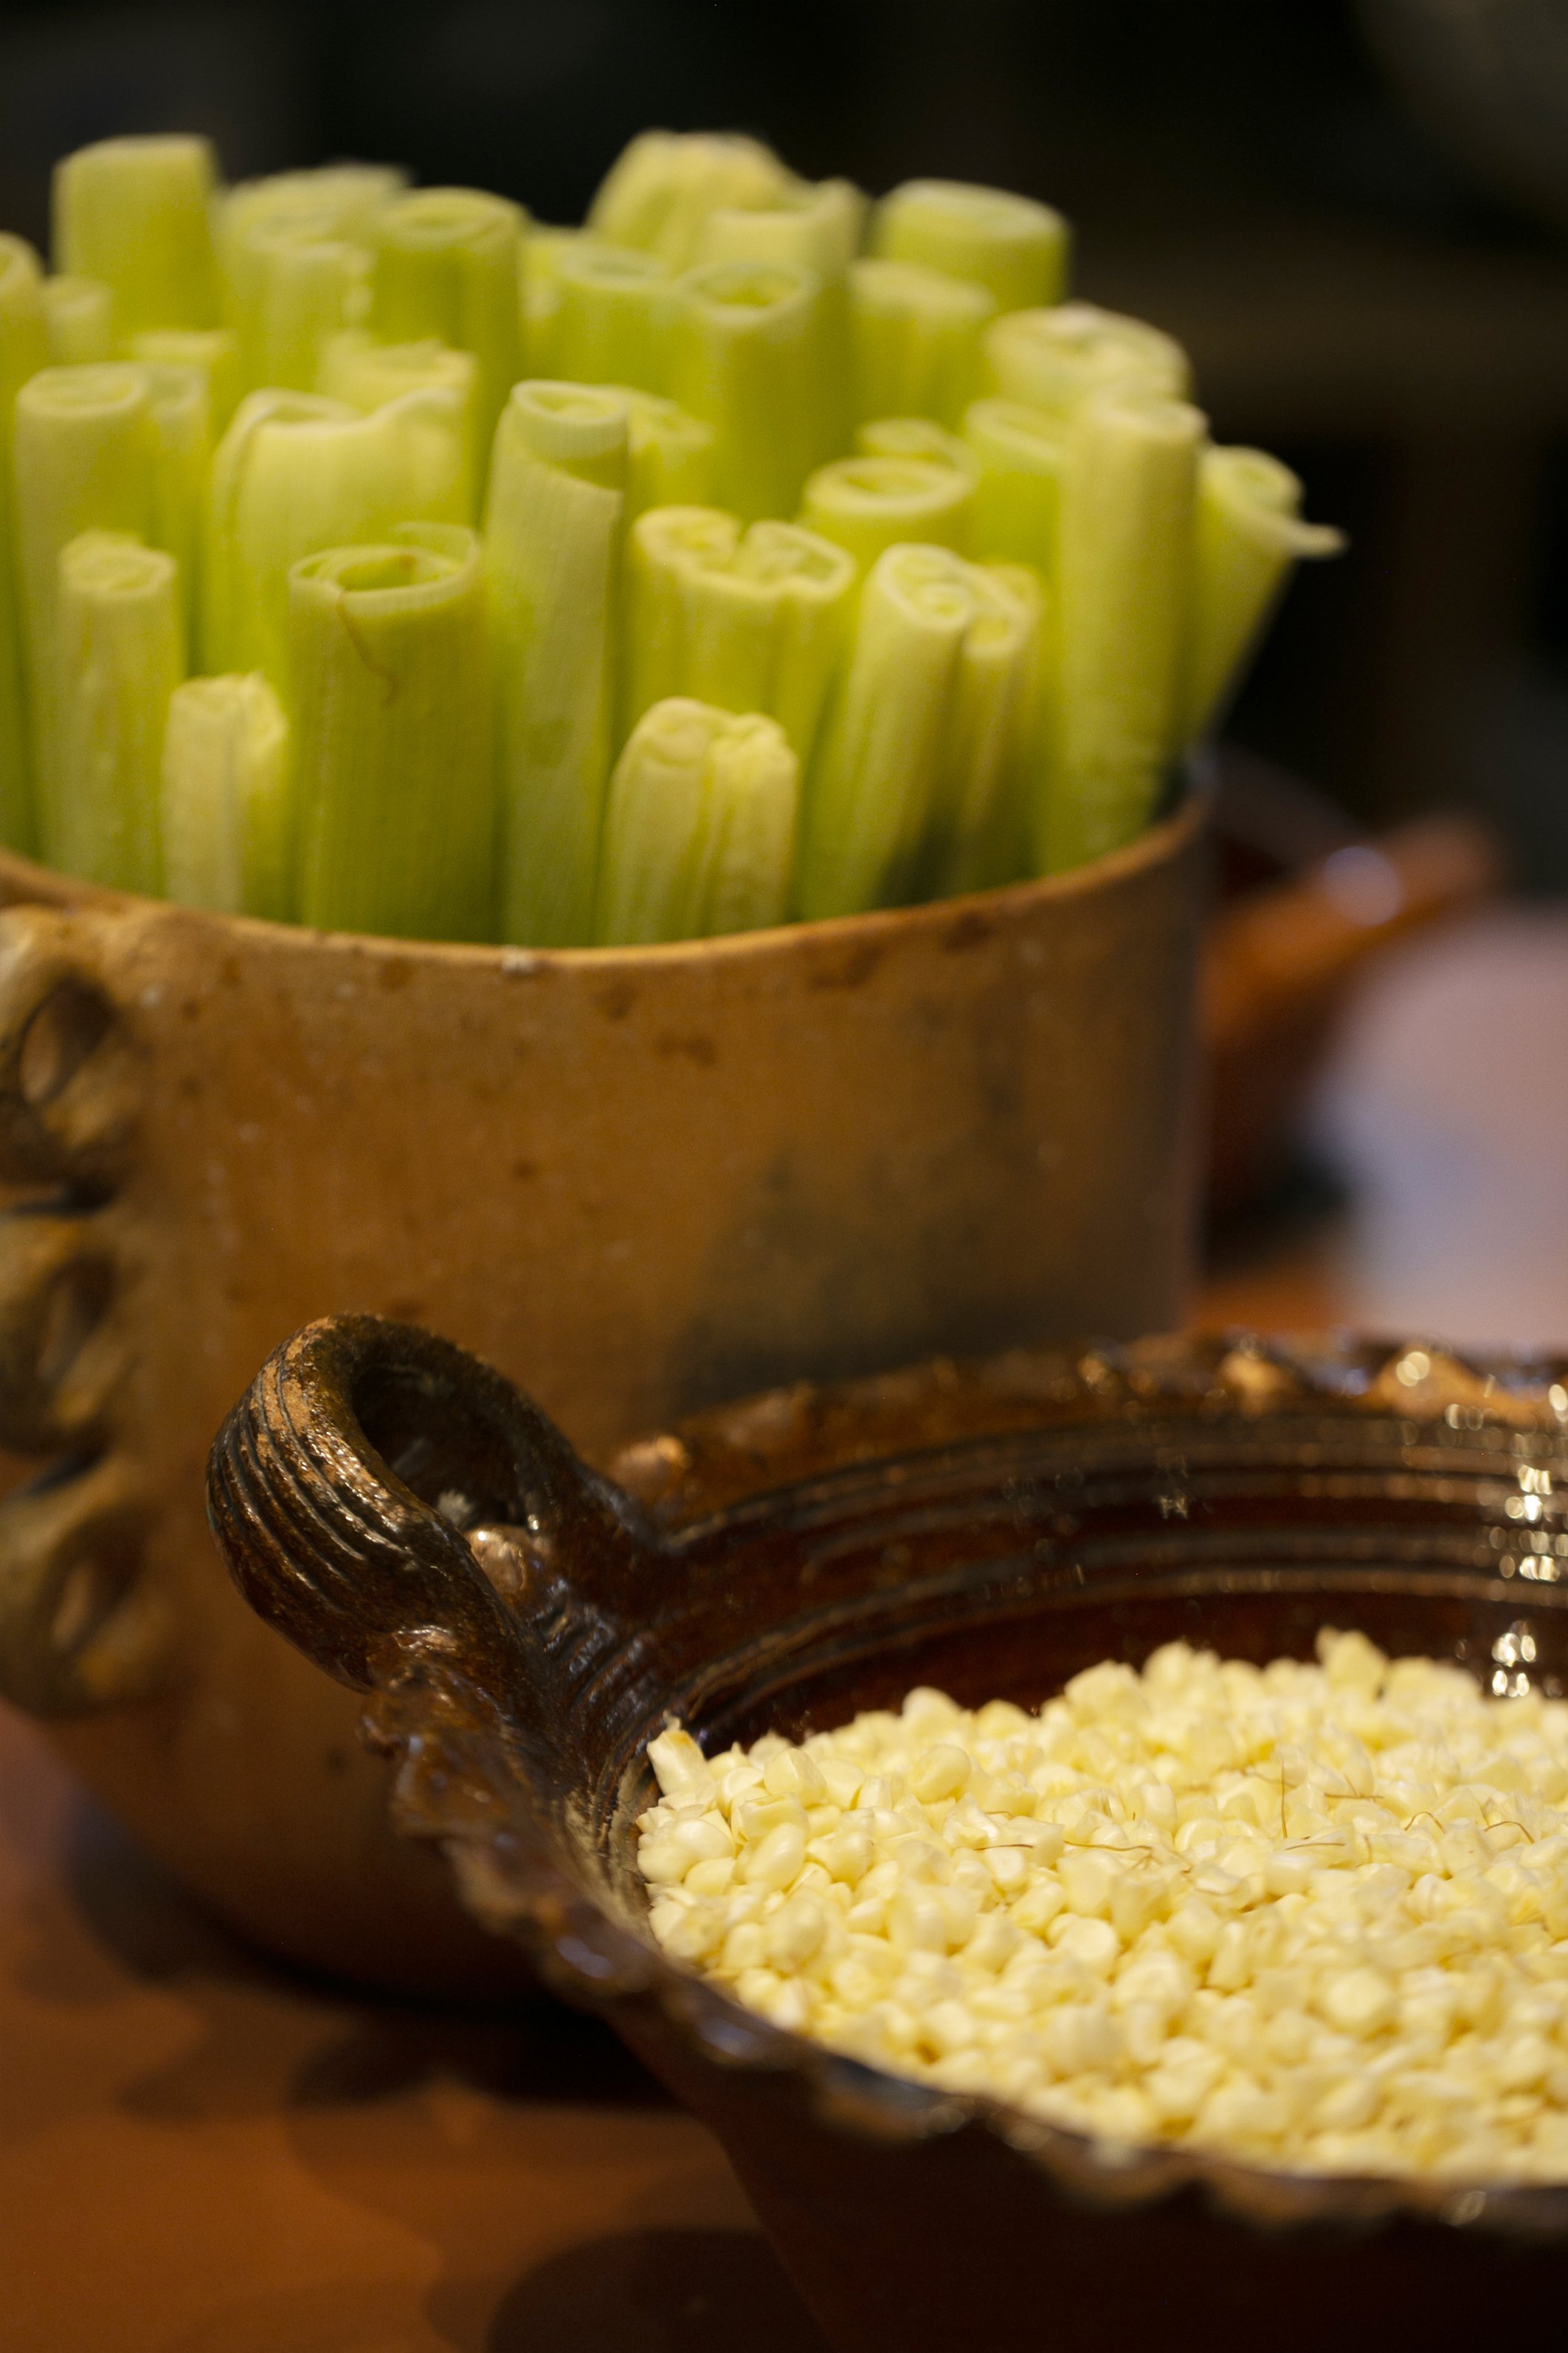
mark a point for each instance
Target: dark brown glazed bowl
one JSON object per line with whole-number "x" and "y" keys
{"x": 523, "y": 1627}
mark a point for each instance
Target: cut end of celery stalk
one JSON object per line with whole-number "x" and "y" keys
{"x": 820, "y": 225}
{"x": 135, "y": 213}
{"x": 664, "y": 186}
{"x": 1249, "y": 533}
{"x": 747, "y": 355}
{"x": 611, "y": 315}
{"x": 79, "y": 317}
{"x": 914, "y": 339}
{"x": 913, "y": 437}
{"x": 227, "y": 806}
{"x": 118, "y": 662}
{"x": 866, "y": 506}
{"x": 1015, "y": 248}
{"x": 1054, "y": 358}
{"x": 699, "y": 827}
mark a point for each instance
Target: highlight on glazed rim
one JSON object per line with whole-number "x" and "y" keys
{"x": 378, "y": 558}
{"x": 1314, "y": 1916}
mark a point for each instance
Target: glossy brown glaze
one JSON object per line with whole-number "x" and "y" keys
{"x": 523, "y": 1627}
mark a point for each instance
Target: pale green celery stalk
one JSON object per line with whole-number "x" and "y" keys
{"x": 669, "y": 456}
{"x": 136, "y": 213}
{"x": 914, "y": 341}
{"x": 228, "y": 803}
{"x": 1123, "y": 595}
{"x": 867, "y": 505}
{"x": 1054, "y": 358}
{"x": 23, "y": 352}
{"x": 817, "y": 224}
{"x": 295, "y": 284}
{"x": 539, "y": 251}
{"x": 1015, "y": 248}
{"x": 611, "y": 322}
{"x": 447, "y": 266}
{"x": 665, "y": 550}
{"x": 747, "y": 356}
{"x": 756, "y": 623}
{"x": 297, "y": 473}
{"x": 1249, "y": 533}
{"x": 78, "y": 319}
{"x": 753, "y": 825}
{"x": 554, "y": 523}
{"x": 118, "y": 662}
{"x": 212, "y": 352}
{"x": 87, "y": 458}
{"x": 700, "y": 828}
{"x": 367, "y": 374}
{"x": 662, "y": 188}
{"x": 975, "y": 831}
{"x": 183, "y": 449}
{"x": 874, "y": 781}
{"x": 340, "y": 198}
{"x": 1018, "y": 495}
{"x": 389, "y": 662}
{"x": 914, "y": 437}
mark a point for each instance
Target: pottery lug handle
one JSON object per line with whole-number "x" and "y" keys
{"x": 67, "y": 1094}
{"x": 62, "y": 1356}
{"x": 77, "y": 1632}
{"x": 341, "y": 1487}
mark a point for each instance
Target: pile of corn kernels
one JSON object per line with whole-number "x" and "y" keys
{"x": 1313, "y": 1916}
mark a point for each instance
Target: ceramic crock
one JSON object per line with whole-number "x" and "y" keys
{"x": 523, "y": 1627}
{"x": 636, "y": 1180}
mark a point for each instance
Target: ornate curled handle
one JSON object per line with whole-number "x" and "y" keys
{"x": 378, "y": 1490}
{"x": 78, "y": 1629}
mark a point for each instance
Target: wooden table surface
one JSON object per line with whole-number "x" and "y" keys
{"x": 200, "y": 2153}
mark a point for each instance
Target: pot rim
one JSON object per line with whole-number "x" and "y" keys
{"x": 436, "y": 1709}
{"x": 28, "y": 879}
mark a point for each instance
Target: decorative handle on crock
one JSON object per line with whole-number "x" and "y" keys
{"x": 76, "y": 1630}
{"x": 377, "y": 1488}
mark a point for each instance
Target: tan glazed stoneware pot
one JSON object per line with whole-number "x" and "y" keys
{"x": 635, "y": 1181}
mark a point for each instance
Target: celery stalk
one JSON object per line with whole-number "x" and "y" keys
{"x": 974, "y": 828}
{"x": 367, "y": 374}
{"x": 447, "y": 263}
{"x": 818, "y": 226}
{"x": 1015, "y": 248}
{"x": 181, "y": 460}
{"x": 296, "y": 284}
{"x": 136, "y": 214}
{"x": 1054, "y": 358}
{"x": 1125, "y": 581}
{"x": 914, "y": 341}
{"x": 117, "y": 663}
{"x": 699, "y": 827}
{"x": 226, "y": 802}
{"x": 78, "y": 320}
{"x": 1018, "y": 495}
{"x": 87, "y": 458}
{"x": 23, "y": 352}
{"x": 212, "y": 352}
{"x": 341, "y": 199}
{"x": 665, "y": 549}
{"x": 391, "y": 715}
{"x": 913, "y": 437}
{"x": 753, "y": 820}
{"x": 553, "y": 541}
{"x": 611, "y": 319}
{"x": 669, "y": 456}
{"x": 753, "y": 624}
{"x": 867, "y": 505}
{"x": 296, "y": 473}
{"x": 746, "y": 356}
{"x": 816, "y": 229}
{"x": 662, "y": 188}
{"x": 539, "y": 254}
{"x": 1248, "y": 535}
{"x": 874, "y": 779}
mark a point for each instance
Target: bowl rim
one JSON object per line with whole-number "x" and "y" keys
{"x": 967, "y": 918}
{"x": 456, "y": 1785}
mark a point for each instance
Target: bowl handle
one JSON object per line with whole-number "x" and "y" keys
{"x": 378, "y": 1491}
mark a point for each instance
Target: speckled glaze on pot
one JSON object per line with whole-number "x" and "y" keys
{"x": 993, "y": 1529}
{"x": 635, "y": 1180}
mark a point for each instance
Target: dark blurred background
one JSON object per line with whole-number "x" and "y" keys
{"x": 1346, "y": 211}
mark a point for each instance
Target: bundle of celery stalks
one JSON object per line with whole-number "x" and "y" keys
{"x": 375, "y": 558}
